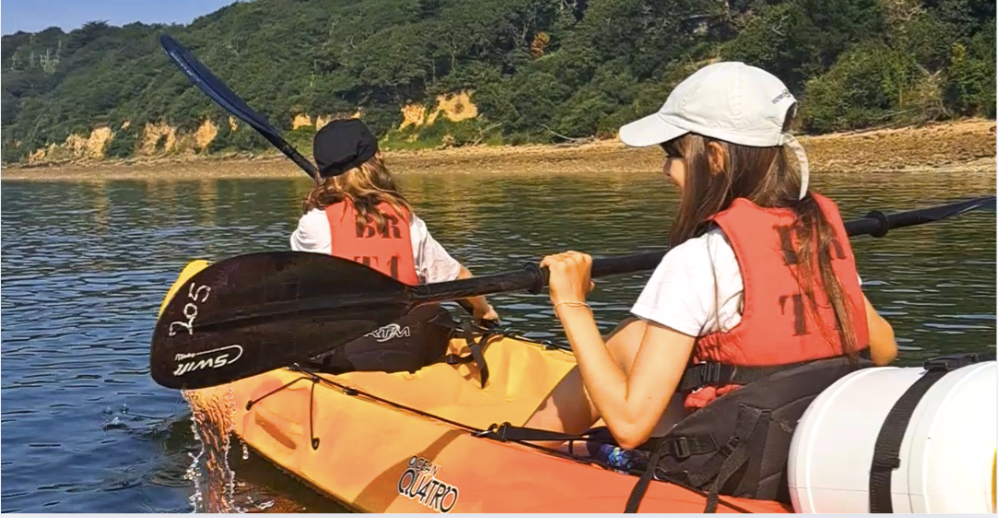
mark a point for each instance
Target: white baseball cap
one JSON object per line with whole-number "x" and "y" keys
{"x": 729, "y": 101}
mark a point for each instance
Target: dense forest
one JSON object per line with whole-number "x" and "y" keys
{"x": 537, "y": 70}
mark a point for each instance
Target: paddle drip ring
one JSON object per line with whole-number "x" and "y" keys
{"x": 881, "y": 218}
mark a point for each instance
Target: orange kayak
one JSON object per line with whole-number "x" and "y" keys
{"x": 414, "y": 442}
{"x": 409, "y": 442}
{"x": 404, "y": 442}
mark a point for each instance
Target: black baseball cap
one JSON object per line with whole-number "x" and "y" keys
{"x": 343, "y": 145}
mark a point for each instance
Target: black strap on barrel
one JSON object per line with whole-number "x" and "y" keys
{"x": 887, "y": 449}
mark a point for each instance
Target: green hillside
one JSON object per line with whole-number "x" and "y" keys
{"x": 538, "y": 70}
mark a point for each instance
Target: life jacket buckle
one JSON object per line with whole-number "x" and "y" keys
{"x": 711, "y": 373}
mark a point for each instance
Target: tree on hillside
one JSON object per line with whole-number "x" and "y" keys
{"x": 539, "y": 70}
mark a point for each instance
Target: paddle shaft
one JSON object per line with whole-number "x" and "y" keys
{"x": 877, "y": 224}
{"x": 217, "y": 91}
{"x": 533, "y": 278}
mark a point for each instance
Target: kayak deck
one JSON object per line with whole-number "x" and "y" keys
{"x": 405, "y": 442}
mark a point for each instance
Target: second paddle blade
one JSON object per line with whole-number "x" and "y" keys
{"x": 254, "y": 313}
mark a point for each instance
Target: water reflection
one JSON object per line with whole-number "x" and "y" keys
{"x": 86, "y": 266}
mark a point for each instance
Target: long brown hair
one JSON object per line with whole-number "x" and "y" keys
{"x": 764, "y": 176}
{"x": 365, "y": 186}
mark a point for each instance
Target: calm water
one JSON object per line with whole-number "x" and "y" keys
{"x": 86, "y": 266}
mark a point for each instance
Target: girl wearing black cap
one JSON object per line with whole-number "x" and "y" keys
{"x": 356, "y": 212}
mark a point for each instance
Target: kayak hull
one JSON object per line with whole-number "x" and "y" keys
{"x": 404, "y": 442}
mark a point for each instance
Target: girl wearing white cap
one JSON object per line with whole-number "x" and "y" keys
{"x": 755, "y": 309}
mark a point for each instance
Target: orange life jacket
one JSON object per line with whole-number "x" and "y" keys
{"x": 389, "y": 252}
{"x": 776, "y": 328}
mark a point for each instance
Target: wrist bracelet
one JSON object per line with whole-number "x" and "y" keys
{"x": 573, "y": 304}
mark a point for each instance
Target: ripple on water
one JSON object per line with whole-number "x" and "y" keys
{"x": 86, "y": 267}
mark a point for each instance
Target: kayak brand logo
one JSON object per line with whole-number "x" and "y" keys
{"x": 213, "y": 359}
{"x": 386, "y": 333}
{"x": 419, "y": 482}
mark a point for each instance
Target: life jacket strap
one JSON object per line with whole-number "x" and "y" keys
{"x": 712, "y": 374}
{"x": 715, "y": 374}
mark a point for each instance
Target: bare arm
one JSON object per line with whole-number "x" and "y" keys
{"x": 630, "y": 406}
{"x": 483, "y": 311}
{"x": 883, "y": 348}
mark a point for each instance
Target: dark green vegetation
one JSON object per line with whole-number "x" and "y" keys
{"x": 541, "y": 70}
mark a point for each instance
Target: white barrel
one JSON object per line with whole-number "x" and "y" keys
{"x": 947, "y": 454}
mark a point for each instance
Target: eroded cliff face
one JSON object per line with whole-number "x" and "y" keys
{"x": 303, "y": 120}
{"x": 157, "y": 138}
{"x": 205, "y": 134}
{"x": 455, "y": 106}
{"x": 160, "y": 138}
{"x": 76, "y": 147}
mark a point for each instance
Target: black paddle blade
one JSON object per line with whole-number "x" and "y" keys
{"x": 258, "y": 312}
{"x": 214, "y": 88}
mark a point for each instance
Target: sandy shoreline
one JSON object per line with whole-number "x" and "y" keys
{"x": 955, "y": 147}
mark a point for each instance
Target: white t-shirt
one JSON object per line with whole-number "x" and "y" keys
{"x": 433, "y": 263}
{"x": 682, "y": 293}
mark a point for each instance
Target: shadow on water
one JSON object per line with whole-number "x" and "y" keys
{"x": 86, "y": 266}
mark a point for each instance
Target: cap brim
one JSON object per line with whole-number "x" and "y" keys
{"x": 649, "y": 131}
